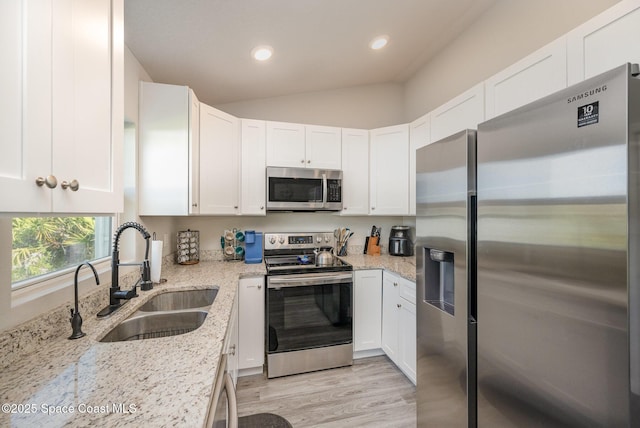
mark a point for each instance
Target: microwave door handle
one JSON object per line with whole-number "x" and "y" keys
{"x": 324, "y": 190}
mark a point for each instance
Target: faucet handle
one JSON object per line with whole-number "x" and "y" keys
{"x": 146, "y": 283}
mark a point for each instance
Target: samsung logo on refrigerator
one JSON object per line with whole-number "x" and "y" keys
{"x": 586, "y": 94}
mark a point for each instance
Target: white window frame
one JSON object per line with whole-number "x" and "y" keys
{"x": 58, "y": 282}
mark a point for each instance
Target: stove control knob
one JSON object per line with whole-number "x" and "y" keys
{"x": 281, "y": 240}
{"x": 327, "y": 238}
{"x": 272, "y": 240}
{"x": 318, "y": 239}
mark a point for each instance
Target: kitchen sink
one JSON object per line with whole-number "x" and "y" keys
{"x": 179, "y": 300}
{"x": 167, "y": 314}
{"x": 151, "y": 325}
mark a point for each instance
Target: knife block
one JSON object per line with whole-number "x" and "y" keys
{"x": 373, "y": 249}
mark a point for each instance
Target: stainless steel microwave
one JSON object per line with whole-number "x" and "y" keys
{"x": 304, "y": 189}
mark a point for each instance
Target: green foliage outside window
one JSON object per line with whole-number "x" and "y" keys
{"x": 47, "y": 244}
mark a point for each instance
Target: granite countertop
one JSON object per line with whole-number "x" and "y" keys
{"x": 403, "y": 266}
{"x": 159, "y": 382}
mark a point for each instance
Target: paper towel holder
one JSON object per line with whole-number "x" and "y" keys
{"x": 156, "y": 259}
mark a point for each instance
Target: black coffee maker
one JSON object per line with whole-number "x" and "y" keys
{"x": 399, "y": 241}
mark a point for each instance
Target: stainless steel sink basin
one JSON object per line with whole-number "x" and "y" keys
{"x": 179, "y": 300}
{"x": 167, "y": 314}
{"x": 156, "y": 324}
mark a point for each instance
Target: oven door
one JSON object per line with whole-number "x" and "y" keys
{"x": 308, "y": 312}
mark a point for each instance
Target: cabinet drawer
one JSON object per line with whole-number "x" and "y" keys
{"x": 408, "y": 290}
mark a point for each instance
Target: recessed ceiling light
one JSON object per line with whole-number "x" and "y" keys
{"x": 262, "y": 53}
{"x": 379, "y": 42}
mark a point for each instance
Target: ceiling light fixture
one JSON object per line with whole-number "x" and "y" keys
{"x": 262, "y": 53}
{"x": 379, "y": 42}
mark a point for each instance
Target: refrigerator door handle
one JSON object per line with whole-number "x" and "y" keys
{"x": 472, "y": 260}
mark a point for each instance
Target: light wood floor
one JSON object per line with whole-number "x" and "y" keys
{"x": 372, "y": 393}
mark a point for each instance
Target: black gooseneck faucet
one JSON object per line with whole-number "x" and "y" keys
{"x": 115, "y": 294}
{"x": 76, "y": 319}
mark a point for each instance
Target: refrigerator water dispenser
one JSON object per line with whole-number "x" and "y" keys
{"x": 439, "y": 284}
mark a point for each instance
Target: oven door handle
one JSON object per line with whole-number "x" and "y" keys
{"x": 305, "y": 280}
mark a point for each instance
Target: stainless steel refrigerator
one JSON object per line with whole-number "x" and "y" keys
{"x": 558, "y": 267}
{"x": 445, "y": 262}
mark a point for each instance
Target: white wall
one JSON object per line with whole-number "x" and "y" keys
{"x": 506, "y": 33}
{"x": 212, "y": 228}
{"x": 365, "y": 107}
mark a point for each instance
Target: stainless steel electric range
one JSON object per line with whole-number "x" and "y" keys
{"x": 309, "y": 306}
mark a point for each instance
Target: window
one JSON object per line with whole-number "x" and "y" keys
{"x": 48, "y": 245}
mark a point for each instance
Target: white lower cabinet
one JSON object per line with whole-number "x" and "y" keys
{"x": 399, "y": 322}
{"x": 367, "y": 312}
{"x": 251, "y": 325}
{"x": 231, "y": 343}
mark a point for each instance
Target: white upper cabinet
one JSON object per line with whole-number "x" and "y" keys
{"x": 285, "y": 145}
{"x": 253, "y": 163}
{"x": 419, "y": 136}
{"x": 389, "y": 172}
{"x": 539, "y": 74}
{"x": 355, "y": 172}
{"x": 219, "y": 162}
{"x": 168, "y": 151}
{"x": 303, "y": 146}
{"x": 604, "y": 42}
{"x": 323, "y": 147}
{"x": 62, "y": 106}
{"x": 465, "y": 111}
{"x": 25, "y": 105}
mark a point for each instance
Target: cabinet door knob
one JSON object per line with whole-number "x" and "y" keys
{"x": 259, "y": 287}
{"x": 395, "y": 284}
{"x": 309, "y": 161}
{"x": 235, "y": 207}
{"x": 399, "y": 305}
{"x": 302, "y": 161}
{"x": 194, "y": 205}
{"x": 51, "y": 181}
{"x": 373, "y": 208}
{"x": 232, "y": 350}
{"x": 73, "y": 185}
{"x": 262, "y": 207}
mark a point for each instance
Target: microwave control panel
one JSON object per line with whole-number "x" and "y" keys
{"x": 334, "y": 191}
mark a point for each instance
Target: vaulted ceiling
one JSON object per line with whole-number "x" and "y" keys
{"x": 318, "y": 44}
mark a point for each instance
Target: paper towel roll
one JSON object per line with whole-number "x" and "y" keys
{"x": 156, "y": 261}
